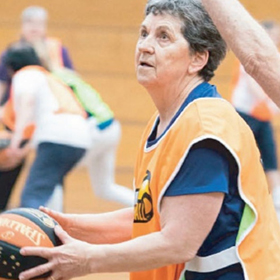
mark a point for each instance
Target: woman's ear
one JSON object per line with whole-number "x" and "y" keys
{"x": 198, "y": 61}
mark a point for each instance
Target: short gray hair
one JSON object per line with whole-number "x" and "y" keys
{"x": 198, "y": 29}
{"x": 34, "y": 12}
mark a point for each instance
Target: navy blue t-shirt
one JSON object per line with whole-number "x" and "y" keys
{"x": 209, "y": 167}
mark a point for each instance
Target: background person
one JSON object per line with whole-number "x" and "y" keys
{"x": 201, "y": 197}
{"x": 105, "y": 133}
{"x": 50, "y": 50}
{"x": 53, "y": 54}
{"x": 61, "y": 134}
{"x": 258, "y": 110}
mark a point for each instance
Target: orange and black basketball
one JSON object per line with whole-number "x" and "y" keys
{"x": 19, "y": 228}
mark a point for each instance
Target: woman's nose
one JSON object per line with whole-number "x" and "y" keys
{"x": 146, "y": 45}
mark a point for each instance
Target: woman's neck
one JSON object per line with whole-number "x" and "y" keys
{"x": 169, "y": 99}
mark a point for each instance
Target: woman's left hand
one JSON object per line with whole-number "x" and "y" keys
{"x": 72, "y": 259}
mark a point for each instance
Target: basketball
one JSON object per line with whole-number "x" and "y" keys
{"x": 22, "y": 227}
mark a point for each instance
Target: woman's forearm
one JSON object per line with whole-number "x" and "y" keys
{"x": 140, "y": 254}
{"x": 111, "y": 227}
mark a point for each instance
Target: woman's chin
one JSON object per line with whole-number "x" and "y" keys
{"x": 146, "y": 82}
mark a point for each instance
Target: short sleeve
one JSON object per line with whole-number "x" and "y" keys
{"x": 204, "y": 170}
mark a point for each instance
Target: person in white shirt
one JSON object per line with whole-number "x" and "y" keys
{"x": 61, "y": 135}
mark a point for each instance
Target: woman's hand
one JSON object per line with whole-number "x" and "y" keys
{"x": 66, "y": 221}
{"x": 72, "y": 259}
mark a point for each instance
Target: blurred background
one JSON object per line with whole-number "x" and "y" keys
{"x": 101, "y": 36}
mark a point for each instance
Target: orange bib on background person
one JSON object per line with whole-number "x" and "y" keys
{"x": 9, "y": 119}
{"x": 253, "y": 102}
{"x": 68, "y": 103}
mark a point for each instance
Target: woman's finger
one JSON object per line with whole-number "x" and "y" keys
{"x": 52, "y": 213}
{"x": 62, "y": 235}
{"x": 48, "y": 211}
{"x": 36, "y": 271}
{"x": 36, "y": 251}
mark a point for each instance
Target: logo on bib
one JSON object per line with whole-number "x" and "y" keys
{"x": 143, "y": 209}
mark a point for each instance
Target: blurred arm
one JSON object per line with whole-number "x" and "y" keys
{"x": 24, "y": 95}
{"x": 24, "y": 118}
{"x": 250, "y": 43}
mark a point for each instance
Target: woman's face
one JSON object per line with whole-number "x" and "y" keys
{"x": 162, "y": 53}
{"x": 33, "y": 29}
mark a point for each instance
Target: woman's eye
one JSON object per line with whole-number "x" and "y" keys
{"x": 164, "y": 36}
{"x": 143, "y": 34}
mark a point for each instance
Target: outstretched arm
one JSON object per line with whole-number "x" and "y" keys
{"x": 111, "y": 227}
{"x": 250, "y": 43}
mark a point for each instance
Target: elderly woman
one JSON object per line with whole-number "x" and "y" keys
{"x": 202, "y": 209}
